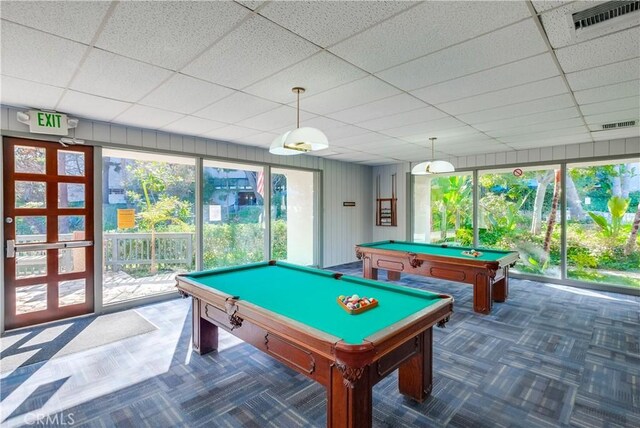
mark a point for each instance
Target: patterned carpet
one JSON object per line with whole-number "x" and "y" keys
{"x": 550, "y": 356}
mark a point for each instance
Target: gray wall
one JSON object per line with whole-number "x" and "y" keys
{"x": 342, "y": 227}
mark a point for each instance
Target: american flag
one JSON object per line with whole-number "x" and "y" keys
{"x": 260, "y": 183}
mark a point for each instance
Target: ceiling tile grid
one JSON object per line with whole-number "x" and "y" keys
{"x": 481, "y": 76}
{"x": 527, "y": 92}
{"x": 61, "y": 20}
{"x": 516, "y": 73}
{"x": 185, "y": 94}
{"x": 24, "y": 93}
{"x": 326, "y": 23}
{"x": 167, "y": 33}
{"x": 500, "y": 47}
{"x": 114, "y": 76}
{"x": 33, "y": 55}
{"x": 253, "y": 51}
{"x": 425, "y": 29}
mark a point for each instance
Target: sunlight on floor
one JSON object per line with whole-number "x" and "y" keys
{"x": 589, "y": 293}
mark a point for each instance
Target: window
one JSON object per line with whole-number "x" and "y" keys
{"x": 443, "y": 208}
{"x": 148, "y": 223}
{"x": 233, "y": 214}
{"x": 603, "y": 207}
{"x": 520, "y": 210}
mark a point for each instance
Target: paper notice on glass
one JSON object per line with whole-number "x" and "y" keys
{"x": 126, "y": 218}
{"x": 215, "y": 213}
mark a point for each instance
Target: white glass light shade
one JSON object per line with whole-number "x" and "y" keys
{"x": 432, "y": 167}
{"x": 299, "y": 140}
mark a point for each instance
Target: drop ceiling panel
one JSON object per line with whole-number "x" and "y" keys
{"x": 274, "y": 119}
{"x": 604, "y": 75}
{"x": 253, "y": 51}
{"x": 509, "y": 75}
{"x": 536, "y": 118}
{"x": 232, "y": 132}
{"x": 253, "y": 5}
{"x": 539, "y": 127}
{"x": 60, "y": 18}
{"x": 550, "y": 134}
{"x": 117, "y": 77}
{"x": 147, "y": 117}
{"x": 446, "y": 135}
{"x": 358, "y": 140}
{"x": 500, "y": 47}
{"x": 424, "y": 128}
{"x": 530, "y": 91}
{"x": 326, "y": 23}
{"x": 442, "y": 24}
{"x": 556, "y": 102}
{"x": 99, "y": 108}
{"x": 171, "y": 34}
{"x": 316, "y": 74}
{"x": 23, "y": 93}
{"x": 236, "y": 107}
{"x": 37, "y": 56}
{"x": 612, "y": 134}
{"x": 382, "y": 108}
{"x": 185, "y": 94}
{"x": 402, "y": 119}
{"x": 190, "y": 125}
{"x": 543, "y": 5}
{"x": 609, "y": 92}
{"x": 344, "y": 132}
{"x": 551, "y": 141}
{"x": 349, "y": 95}
{"x": 610, "y": 106}
{"x": 604, "y": 50}
{"x": 595, "y": 121}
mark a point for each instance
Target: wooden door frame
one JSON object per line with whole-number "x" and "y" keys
{"x": 53, "y": 311}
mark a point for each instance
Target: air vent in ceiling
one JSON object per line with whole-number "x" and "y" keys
{"x": 619, "y": 124}
{"x": 604, "y": 12}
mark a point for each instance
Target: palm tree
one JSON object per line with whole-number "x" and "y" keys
{"x": 633, "y": 236}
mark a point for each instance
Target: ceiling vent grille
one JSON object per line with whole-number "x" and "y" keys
{"x": 619, "y": 125}
{"x": 603, "y": 12}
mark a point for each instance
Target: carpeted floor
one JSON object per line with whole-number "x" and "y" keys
{"x": 550, "y": 356}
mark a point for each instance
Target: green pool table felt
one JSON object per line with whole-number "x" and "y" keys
{"x": 309, "y": 296}
{"x": 438, "y": 250}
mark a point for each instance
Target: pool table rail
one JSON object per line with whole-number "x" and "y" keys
{"x": 348, "y": 371}
{"x": 488, "y": 277}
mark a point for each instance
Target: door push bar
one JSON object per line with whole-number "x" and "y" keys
{"x": 12, "y": 247}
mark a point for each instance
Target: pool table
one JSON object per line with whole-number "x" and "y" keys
{"x": 291, "y": 313}
{"x": 488, "y": 273}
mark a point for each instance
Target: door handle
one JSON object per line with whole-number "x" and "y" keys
{"x": 13, "y": 248}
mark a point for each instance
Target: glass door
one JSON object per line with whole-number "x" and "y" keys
{"x": 48, "y": 227}
{"x": 293, "y": 216}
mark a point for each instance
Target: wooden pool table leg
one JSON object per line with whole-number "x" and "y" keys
{"x": 482, "y": 294}
{"x": 500, "y": 289}
{"x": 415, "y": 376}
{"x": 368, "y": 271}
{"x": 393, "y": 275}
{"x": 349, "y": 407}
{"x": 203, "y": 333}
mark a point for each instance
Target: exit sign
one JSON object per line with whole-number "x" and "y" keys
{"x": 47, "y": 122}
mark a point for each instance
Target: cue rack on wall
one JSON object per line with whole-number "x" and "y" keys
{"x": 386, "y": 213}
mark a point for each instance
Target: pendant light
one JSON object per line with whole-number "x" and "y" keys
{"x": 299, "y": 140}
{"x": 433, "y": 166}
